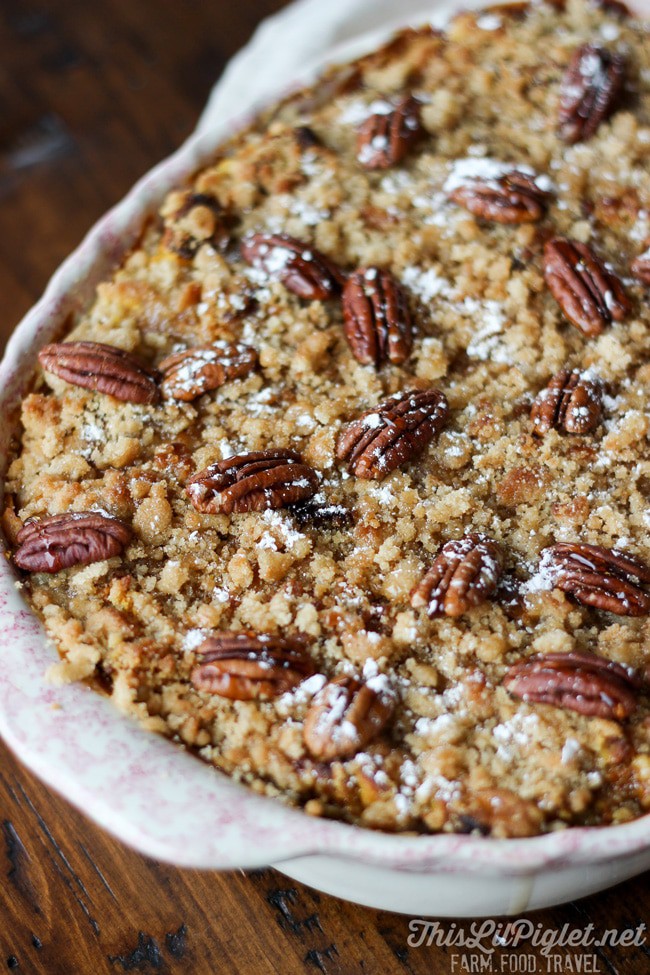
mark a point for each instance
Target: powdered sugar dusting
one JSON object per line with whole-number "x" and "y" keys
{"x": 486, "y": 343}
{"x": 425, "y": 283}
{"x": 357, "y": 111}
{"x": 490, "y": 171}
{"x": 489, "y": 22}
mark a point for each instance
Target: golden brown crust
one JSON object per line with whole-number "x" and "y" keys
{"x": 337, "y": 570}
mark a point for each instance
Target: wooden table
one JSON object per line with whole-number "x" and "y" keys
{"x": 91, "y": 95}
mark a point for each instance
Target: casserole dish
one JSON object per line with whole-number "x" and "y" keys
{"x": 101, "y": 762}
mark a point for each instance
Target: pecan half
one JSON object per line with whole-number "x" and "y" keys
{"x": 578, "y": 681}
{"x": 392, "y": 433}
{"x": 192, "y": 219}
{"x": 588, "y": 293}
{"x": 377, "y": 319}
{"x": 514, "y": 197}
{"x": 385, "y": 138}
{"x": 189, "y": 374}
{"x": 250, "y": 666}
{"x": 104, "y": 368}
{"x": 641, "y": 267}
{"x": 590, "y": 91}
{"x": 252, "y": 482}
{"x": 75, "y": 538}
{"x": 571, "y": 402}
{"x": 346, "y": 715}
{"x": 607, "y": 579}
{"x": 299, "y": 266}
{"x": 464, "y": 573}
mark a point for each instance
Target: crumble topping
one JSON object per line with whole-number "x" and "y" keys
{"x": 458, "y": 751}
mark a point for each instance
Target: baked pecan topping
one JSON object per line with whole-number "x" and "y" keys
{"x": 605, "y": 578}
{"x": 571, "y": 402}
{"x": 641, "y": 267}
{"x": 392, "y": 433}
{"x": 346, "y": 715}
{"x": 588, "y": 293}
{"x": 189, "y": 374}
{"x": 104, "y": 368}
{"x": 250, "y": 666}
{"x": 252, "y": 482}
{"x": 385, "y": 138}
{"x": 591, "y": 88}
{"x": 377, "y": 318}
{"x": 464, "y": 574}
{"x": 192, "y": 219}
{"x": 75, "y": 538}
{"x": 514, "y": 197}
{"x": 578, "y": 681}
{"x": 299, "y": 266}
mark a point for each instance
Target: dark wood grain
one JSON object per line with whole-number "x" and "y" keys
{"x": 92, "y": 95}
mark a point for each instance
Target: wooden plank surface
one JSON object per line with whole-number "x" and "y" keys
{"x": 91, "y": 95}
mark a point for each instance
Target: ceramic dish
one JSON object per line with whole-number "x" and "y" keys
{"x": 117, "y": 773}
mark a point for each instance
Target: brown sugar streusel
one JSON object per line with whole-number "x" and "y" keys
{"x": 350, "y": 491}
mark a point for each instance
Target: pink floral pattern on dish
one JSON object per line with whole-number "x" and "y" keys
{"x": 150, "y": 792}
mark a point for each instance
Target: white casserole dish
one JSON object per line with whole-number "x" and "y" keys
{"x": 148, "y": 791}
